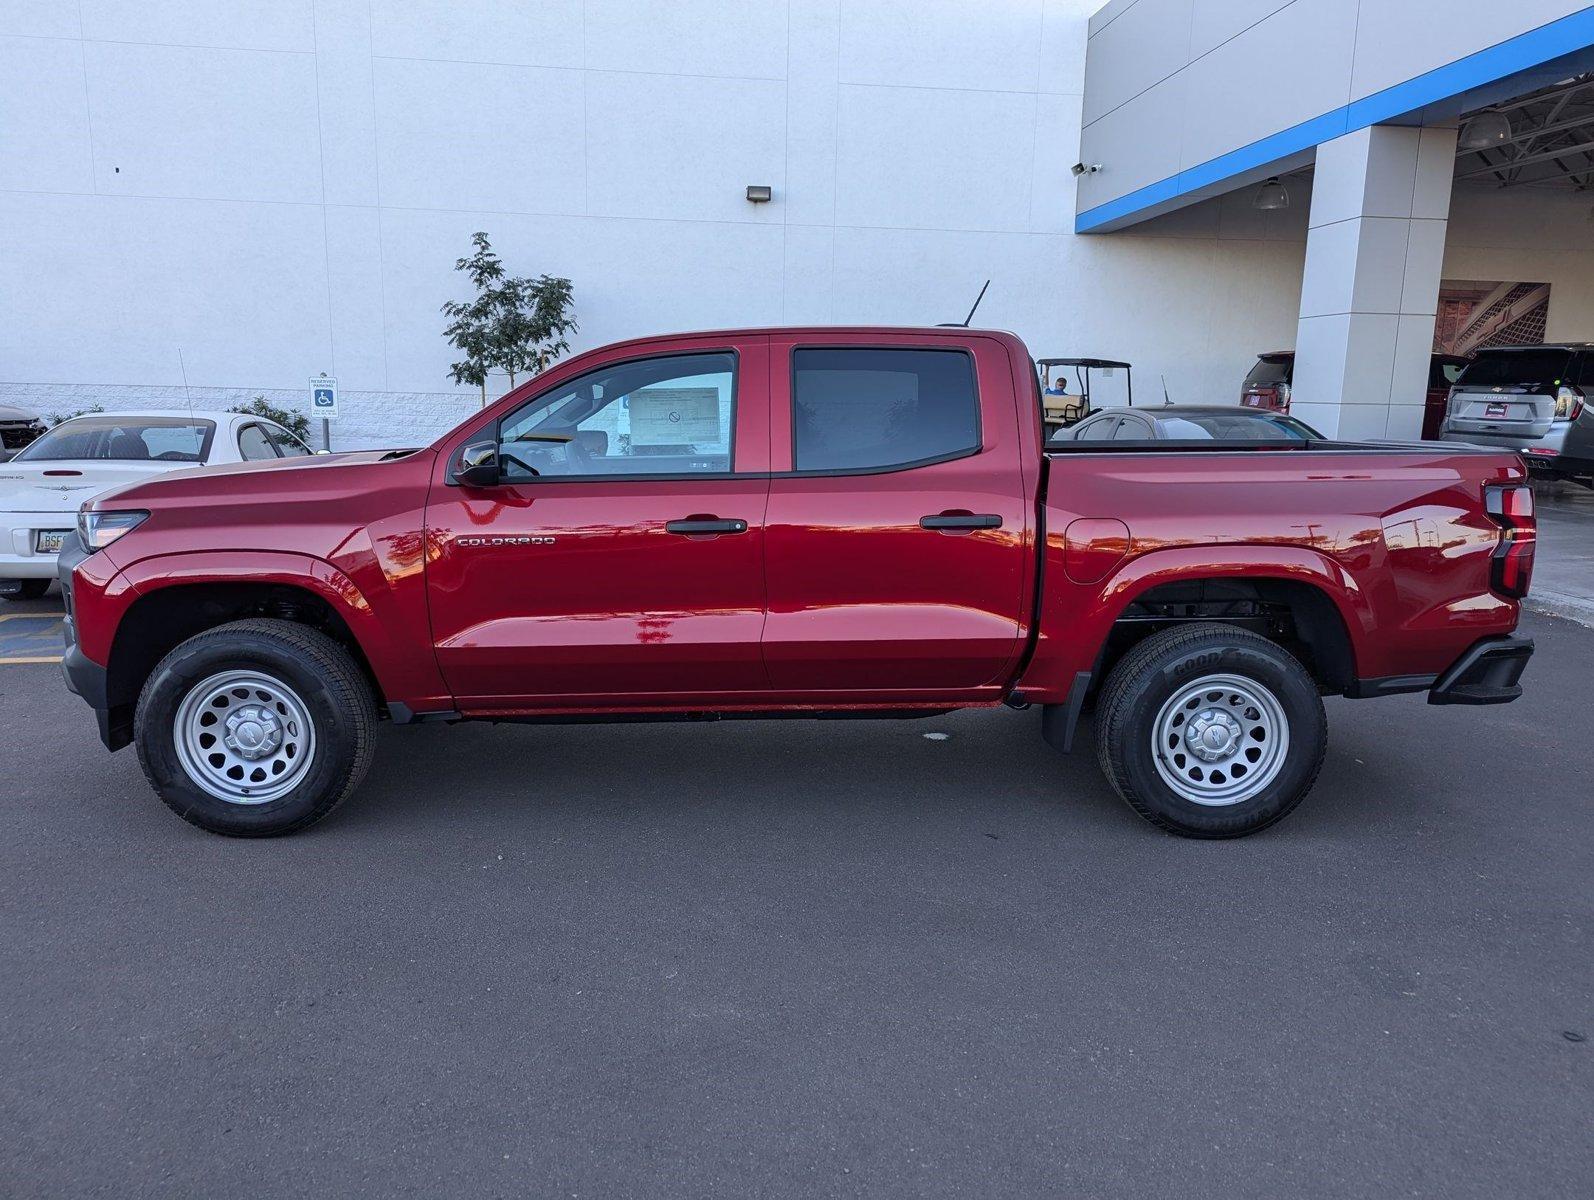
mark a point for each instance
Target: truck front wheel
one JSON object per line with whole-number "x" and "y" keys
{"x": 255, "y": 728}
{"x": 1210, "y": 731}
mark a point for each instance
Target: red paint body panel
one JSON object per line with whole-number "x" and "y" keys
{"x": 1399, "y": 542}
{"x": 834, "y": 597}
{"x": 863, "y": 600}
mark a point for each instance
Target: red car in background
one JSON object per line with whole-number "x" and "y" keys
{"x": 1268, "y": 386}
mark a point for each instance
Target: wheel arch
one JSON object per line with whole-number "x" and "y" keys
{"x": 174, "y": 605}
{"x": 1299, "y": 614}
{"x": 1086, "y": 629}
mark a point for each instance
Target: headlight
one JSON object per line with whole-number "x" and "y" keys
{"x": 98, "y": 530}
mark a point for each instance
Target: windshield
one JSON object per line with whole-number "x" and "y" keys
{"x": 1516, "y": 368}
{"x": 1238, "y": 426}
{"x": 1274, "y": 369}
{"x": 123, "y": 439}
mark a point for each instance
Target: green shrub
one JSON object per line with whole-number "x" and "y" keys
{"x": 294, "y": 422}
{"x": 54, "y": 419}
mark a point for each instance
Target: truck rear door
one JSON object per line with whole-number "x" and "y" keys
{"x": 897, "y": 539}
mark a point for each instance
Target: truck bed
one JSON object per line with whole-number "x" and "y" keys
{"x": 1395, "y": 535}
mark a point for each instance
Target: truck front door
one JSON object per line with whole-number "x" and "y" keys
{"x": 619, "y": 561}
{"x": 898, "y": 537}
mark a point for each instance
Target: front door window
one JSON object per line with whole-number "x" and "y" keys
{"x": 657, "y": 416}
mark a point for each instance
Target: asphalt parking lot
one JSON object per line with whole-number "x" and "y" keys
{"x": 758, "y": 959}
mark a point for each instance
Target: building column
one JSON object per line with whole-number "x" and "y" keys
{"x": 1375, "y": 248}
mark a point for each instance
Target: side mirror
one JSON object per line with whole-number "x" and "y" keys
{"x": 476, "y": 466}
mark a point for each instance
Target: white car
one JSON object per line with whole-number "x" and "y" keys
{"x": 42, "y": 487}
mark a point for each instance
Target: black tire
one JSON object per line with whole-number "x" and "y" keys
{"x": 28, "y": 589}
{"x": 325, "y": 679}
{"x": 1168, "y": 663}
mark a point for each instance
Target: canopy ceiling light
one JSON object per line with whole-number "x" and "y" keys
{"x": 1271, "y": 194}
{"x": 1488, "y": 128}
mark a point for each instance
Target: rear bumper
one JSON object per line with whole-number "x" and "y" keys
{"x": 1558, "y": 466}
{"x": 1488, "y": 673}
{"x": 18, "y": 533}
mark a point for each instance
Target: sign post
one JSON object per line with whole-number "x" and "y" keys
{"x": 324, "y": 404}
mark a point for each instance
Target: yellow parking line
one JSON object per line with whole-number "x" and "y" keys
{"x": 13, "y": 662}
{"x": 25, "y": 616}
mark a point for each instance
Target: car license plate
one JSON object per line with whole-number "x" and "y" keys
{"x": 1494, "y": 410}
{"x": 49, "y": 541}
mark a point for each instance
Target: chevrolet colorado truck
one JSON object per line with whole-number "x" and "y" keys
{"x": 811, "y": 523}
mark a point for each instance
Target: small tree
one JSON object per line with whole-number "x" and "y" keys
{"x": 536, "y": 321}
{"x": 514, "y": 325}
{"x": 293, "y": 421}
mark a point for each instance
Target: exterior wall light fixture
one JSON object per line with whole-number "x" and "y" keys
{"x": 1271, "y": 195}
{"x": 759, "y": 193}
{"x": 1488, "y": 128}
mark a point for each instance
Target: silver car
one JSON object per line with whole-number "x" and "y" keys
{"x": 18, "y": 427}
{"x": 1530, "y": 399}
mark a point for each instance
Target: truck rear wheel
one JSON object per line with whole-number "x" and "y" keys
{"x": 1210, "y": 731}
{"x": 255, "y": 728}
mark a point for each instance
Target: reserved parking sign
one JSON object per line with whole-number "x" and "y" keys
{"x": 324, "y": 398}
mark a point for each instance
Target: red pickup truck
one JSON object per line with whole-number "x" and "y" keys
{"x": 853, "y": 522}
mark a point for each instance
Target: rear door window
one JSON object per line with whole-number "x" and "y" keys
{"x": 285, "y": 443}
{"x": 867, "y": 409}
{"x": 253, "y": 444}
{"x": 1443, "y": 373}
{"x": 1582, "y": 371}
{"x": 1098, "y": 430}
{"x": 1132, "y": 429}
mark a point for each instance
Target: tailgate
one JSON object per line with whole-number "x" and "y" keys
{"x": 1513, "y": 412}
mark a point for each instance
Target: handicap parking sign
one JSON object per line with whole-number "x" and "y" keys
{"x": 324, "y": 397}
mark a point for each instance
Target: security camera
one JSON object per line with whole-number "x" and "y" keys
{"x": 1080, "y": 168}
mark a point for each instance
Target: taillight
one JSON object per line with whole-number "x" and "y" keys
{"x": 1568, "y": 403}
{"x": 1284, "y": 397}
{"x": 1511, "y": 565}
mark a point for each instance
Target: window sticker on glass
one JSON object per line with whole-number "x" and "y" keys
{"x": 675, "y": 417}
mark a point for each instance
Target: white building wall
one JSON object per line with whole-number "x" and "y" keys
{"x": 280, "y": 187}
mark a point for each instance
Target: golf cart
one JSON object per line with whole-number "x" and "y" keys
{"x": 1066, "y": 401}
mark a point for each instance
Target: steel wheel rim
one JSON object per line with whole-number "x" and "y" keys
{"x": 1220, "y": 740}
{"x": 244, "y": 737}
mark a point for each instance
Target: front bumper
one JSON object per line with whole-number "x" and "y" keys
{"x": 84, "y": 676}
{"x": 1488, "y": 673}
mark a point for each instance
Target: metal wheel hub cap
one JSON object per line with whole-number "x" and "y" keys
{"x": 252, "y": 731}
{"x": 244, "y": 737}
{"x": 1220, "y": 740}
{"x": 1212, "y": 734}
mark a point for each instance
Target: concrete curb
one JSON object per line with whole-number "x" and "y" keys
{"x": 1559, "y": 604}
